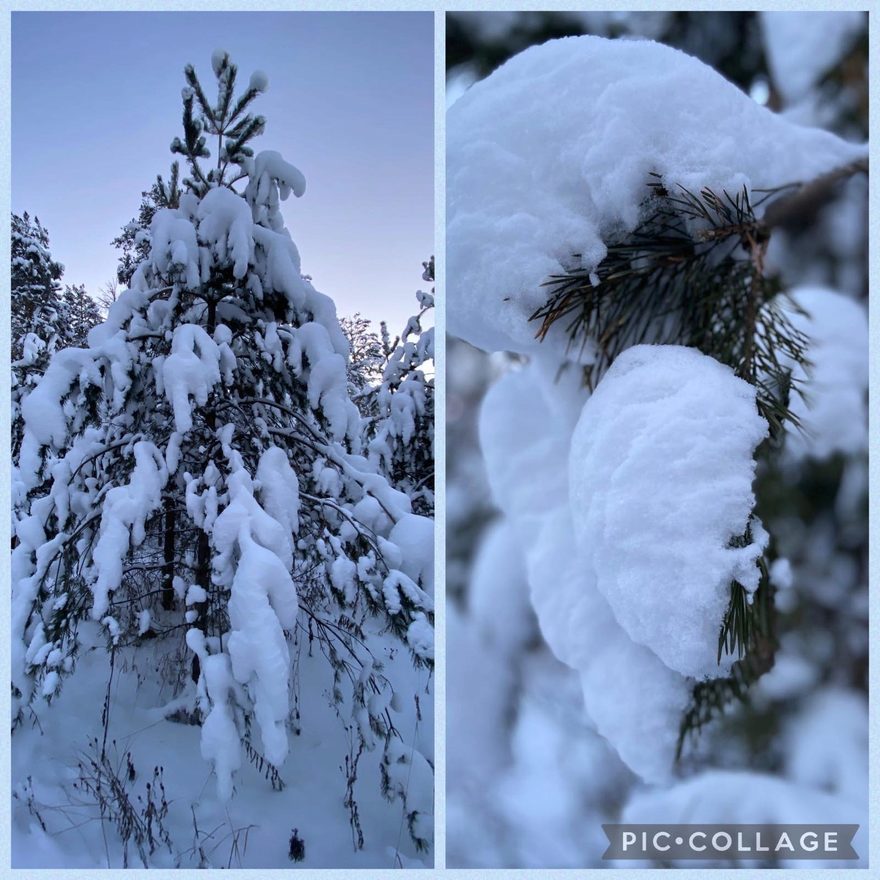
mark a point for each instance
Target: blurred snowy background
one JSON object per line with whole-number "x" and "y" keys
{"x": 529, "y": 781}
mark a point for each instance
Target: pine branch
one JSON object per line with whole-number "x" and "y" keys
{"x": 746, "y": 620}
{"x": 691, "y": 273}
{"x": 748, "y": 630}
{"x": 242, "y": 103}
{"x": 810, "y": 196}
{"x": 205, "y": 105}
{"x": 710, "y": 698}
{"x": 226, "y": 87}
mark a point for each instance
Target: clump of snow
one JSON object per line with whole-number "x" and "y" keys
{"x": 191, "y": 370}
{"x": 520, "y": 447}
{"x": 549, "y": 156}
{"x": 269, "y": 166}
{"x": 42, "y": 410}
{"x": 258, "y": 82}
{"x": 803, "y": 46}
{"x": 661, "y": 484}
{"x": 220, "y": 743}
{"x": 833, "y": 409}
{"x": 313, "y": 352}
{"x": 124, "y": 514}
{"x": 636, "y": 703}
{"x": 225, "y": 222}
{"x": 525, "y": 433}
{"x": 279, "y": 488}
{"x": 498, "y": 596}
{"x": 263, "y": 604}
{"x": 219, "y": 57}
{"x": 174, "y": 248}
{"x": 420, "y": 636}
{"x": 410, "y": 778}
{"x": 414, "y": 536}
{"x": 632, "y": 697}
{"x": 396, "y": 586}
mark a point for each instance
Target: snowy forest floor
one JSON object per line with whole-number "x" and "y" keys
{"x": 252, "y": 830}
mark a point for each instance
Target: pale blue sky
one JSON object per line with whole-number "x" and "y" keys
{"x": 96, "y": 103}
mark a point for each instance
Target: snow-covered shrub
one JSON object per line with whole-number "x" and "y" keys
{"x": 197, "y": 486}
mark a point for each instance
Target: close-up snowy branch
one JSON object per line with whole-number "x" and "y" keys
{"x": 657, "y": 428}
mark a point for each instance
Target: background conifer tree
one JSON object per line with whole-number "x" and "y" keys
{"x": 81, "y": 313}
{"x": 44, "y": 319}
{"x": 35, "y": 285}
{"x": 365, "y": 362}
{"x": 402, "y": 435}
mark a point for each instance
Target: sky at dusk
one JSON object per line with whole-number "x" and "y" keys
{"x": 96, "y": 102}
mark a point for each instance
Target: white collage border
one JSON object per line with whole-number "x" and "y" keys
{"x": 438, "y": 8}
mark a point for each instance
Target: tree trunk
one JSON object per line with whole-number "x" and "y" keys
{"x": 168, "y": 548}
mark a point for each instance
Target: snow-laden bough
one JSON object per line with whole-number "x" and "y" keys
{"x": 548, "y": 160}
{"x": 634, "y": 700}
{"x": 661, "y": 467}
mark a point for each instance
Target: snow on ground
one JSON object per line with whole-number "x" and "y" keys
{"x": 252, "y": 829}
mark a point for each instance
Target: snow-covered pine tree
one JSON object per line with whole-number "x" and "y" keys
{"x": 195, "y": 481}
{"x": 37, "y": 310}
{"x": 35, "y": 283}
{"x": 81, "y": 314}
{"x": 402, "y": 434}
{"x": 365, "y": 362}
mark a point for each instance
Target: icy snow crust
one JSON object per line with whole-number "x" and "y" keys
{"x": 549, "y": 156}
{"x": 661, "y": 469}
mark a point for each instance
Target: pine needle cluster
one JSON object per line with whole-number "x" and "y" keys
{"x": 691, "y": 273}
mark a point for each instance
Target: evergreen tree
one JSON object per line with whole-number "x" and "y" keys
{"x": 402, "y": 436}
{"x": 366, "y": 362}
{"x": 36, "y": 311}
{"x": 195, "y": 477}
{"x": 81, "y": 313}
{"x": 35, "y": 283}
